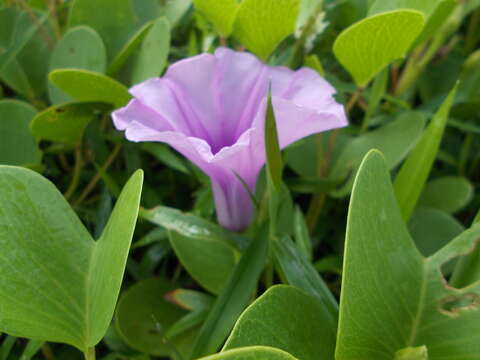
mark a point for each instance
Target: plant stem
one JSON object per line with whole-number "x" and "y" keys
{"x": 91, "y": 185}
{"x": 76, "y": 173}
{"x": 90, "y": 354}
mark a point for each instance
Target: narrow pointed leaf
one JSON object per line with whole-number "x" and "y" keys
{"x": 414, "y": 172}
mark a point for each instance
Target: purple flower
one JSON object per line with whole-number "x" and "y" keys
{"x": 211, "y": 108}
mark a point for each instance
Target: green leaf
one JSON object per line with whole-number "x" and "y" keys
{"x": 301, "y": 234}
{"x": 220, "y": 13}
{"x": 369, "y": 45}
{"x": 153, "y": 54}
{"x": 233, "y": 299}
{"x": 206, "y": 250}
{"x": 261, "y": 25}
{"x": 299, "y": 272}
{"x": 397, "y": 297}
{"x": 165, "y": 155}
{"x": 32, "y": 347}
{"x": 272, "y": 147}
{"x": 114, "y": 20}
{"x": 395, "y": 140}
{"x": 128, "y": 49}
{"x": 20, "y": 38}
{"x": 82, "y": 48}
{"x": 65, "y": 123}
{"x": 412, "y": 353}
{"x": 209, "y": 262}
{"x": 252, "y": 353}
{"x": 17, "y": 146}
{"x": 68, "y": 283}
{"x": 448, "y": 193}
{"x": 144, "y": 315}
{"x": 85, "y": 85}
{"x": 414, "y": 172}
{"x": 192, "y": 226}
{"x": 288, "y": 319}
{"x": 148, "y": 10}
{"x": 432, "y": 229}
{"x": 28, "y": 63}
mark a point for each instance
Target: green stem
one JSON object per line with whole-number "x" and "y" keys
{"x": 90, "y": 354}
{"x": 76, "y": 173}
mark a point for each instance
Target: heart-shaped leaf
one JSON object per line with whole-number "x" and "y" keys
{"x": 369, "y": 45}
{"x": 261, "y": 25}
{"x": 57, "y": 283}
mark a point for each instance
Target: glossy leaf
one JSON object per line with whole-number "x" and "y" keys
{"x": 80, "y": 47}
{"x": 85, "y": 85}
{"x": 153, "y": 52}
{"x": 65, "y": 123}
{"x": 69, "y": 283}
{"x": 414, "y": 172}
{"x": 261, "y": 25}
{"x": 17, "y": 147}
{"x": 288, "y": 319}
{"x": 220, "y": 13}
{"x": 368, "y": 46}
{"x": 398, "y": 297}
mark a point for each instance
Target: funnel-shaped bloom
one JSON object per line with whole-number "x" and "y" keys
{"x": 211, "y": 108}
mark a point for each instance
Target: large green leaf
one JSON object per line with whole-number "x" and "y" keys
{"x": 153, "y": 54}
{"x": 80, "y": 47}
{"x": 114, "y": 20}
{"x": 252, "y": 353}
{"x": 368, "y": 46}
{"x": 395, "y": 140}
{"x": 207, "y": 251}
{"x": 261, "y": 25}
{"x": 220, "y": 13}
{"x": 414, "y": 172}
{"x": 143, "y": 317}
{"x": 392, "y": 297}
{"x": 17, "y": 146}
{"x": 65, "y": 123}
{"x": 288, "y": 319}
{"x": 85, "y": 85}
{"x": 57, "y": 283}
